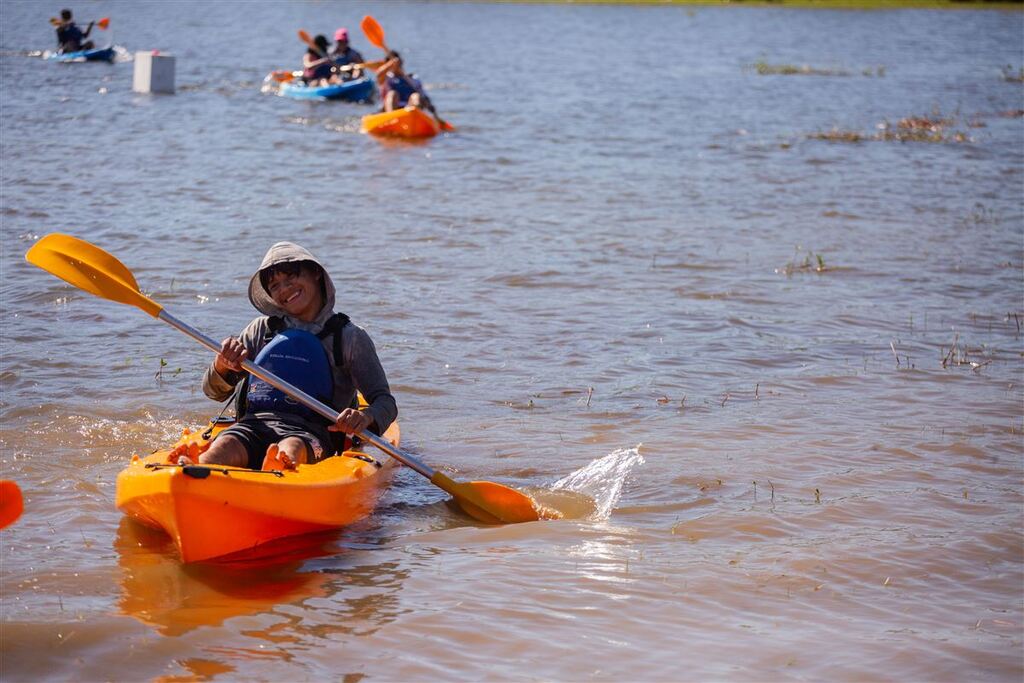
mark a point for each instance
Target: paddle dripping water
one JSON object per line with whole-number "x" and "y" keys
{"x": 592, "y": 491}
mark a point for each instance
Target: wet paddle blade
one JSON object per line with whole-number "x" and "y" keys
{"x": 10, "y": 502}
{"x": 493, "y": 503}
{"x": 562, "y": 504}
{"x": 88, "y": 267}
{"x": 373, "y": 31}
{"x": 104, "y": 23}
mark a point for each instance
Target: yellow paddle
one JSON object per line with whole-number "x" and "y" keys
{"x": 375, "y": 34}
{"x": 88, "y": 267}
{"x": 283, "y": 75}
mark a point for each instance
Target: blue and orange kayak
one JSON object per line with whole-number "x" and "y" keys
{"x": 357, "y": 90}
{"x": 103, "y": 54}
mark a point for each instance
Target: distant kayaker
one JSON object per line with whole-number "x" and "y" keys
{"x": 301, "y": 339}
{"x": 344, "y": 55}
{"x": 69, "y": 37}
{"x": 316, "y": 64}
{"x": 397, "y": 88}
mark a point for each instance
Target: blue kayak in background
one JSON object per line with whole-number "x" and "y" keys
{"x": 356, "y": 90}
{"x": 103, "y": 54}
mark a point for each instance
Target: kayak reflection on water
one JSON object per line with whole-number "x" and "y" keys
{"x": 174, "y": 598}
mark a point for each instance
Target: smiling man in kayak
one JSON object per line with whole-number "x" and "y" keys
{"x": 302, "y": 340}
{"x": 69, "y": 36}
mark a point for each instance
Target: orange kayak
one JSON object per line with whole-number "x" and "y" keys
{"x": 211, "y": 511}
{"x": 409, "y": 122}
{"x": 11, "y": 503}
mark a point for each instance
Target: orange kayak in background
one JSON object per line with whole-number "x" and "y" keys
{"x": 211, "y": 511}
{"x": 11, "y": 503}
{"x": 410, "y": 122}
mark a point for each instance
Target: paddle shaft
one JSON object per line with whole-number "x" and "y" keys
{"x": 302, "y": 397}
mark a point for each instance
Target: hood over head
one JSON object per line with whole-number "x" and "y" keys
{"x": 287, "y": 252}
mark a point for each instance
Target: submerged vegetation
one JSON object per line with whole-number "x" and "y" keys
{"x": 933, "y": 128}
{"x": 811, "y": 263}
{"x": 763, "y": 68}
{"x": 1012, "y": 76}
{"x": 959, "y": 355}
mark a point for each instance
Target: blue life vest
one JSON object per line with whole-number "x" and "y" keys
{"x": 405, "y": 87}
{"x": 298, "y": 357}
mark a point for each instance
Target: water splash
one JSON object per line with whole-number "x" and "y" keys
{"x": 602, "y": 480}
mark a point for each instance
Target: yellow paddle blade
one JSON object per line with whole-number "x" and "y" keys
{"x": 496, "y": 504}
{"x": 88, "y": 267}
{"x": 374, "y": 33}
{"x": 10, "y": 502}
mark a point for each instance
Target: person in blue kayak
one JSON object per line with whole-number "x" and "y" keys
{"x": 316, "y": 63}
{"x": 301, "y": 339}
{"x": 70, "y": 38}
{"x": 343, "y": 55}
{"x": 397, "y": 88}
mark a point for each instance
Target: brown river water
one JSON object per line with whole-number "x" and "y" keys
{"x": 771, "y": 332}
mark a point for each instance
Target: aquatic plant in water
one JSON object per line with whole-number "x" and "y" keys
{"x": 765, "y": 69}
{"x": 933, "y": 128}
{"x": 1012, "y": 76}
{"x": 811, "y": 263}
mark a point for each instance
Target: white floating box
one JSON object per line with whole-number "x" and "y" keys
{"x": 154, "y": 72}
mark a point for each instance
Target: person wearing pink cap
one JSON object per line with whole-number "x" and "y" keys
{"x": 344, "y": 56}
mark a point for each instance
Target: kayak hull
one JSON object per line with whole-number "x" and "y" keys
{"x": 410, "y": 122}
{"x": 356, "y": 90}
{"x": 213, "y": 511}
{"x": 103, "y": 54}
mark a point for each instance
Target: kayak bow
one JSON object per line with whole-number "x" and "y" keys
{"x": 410, "y": 122}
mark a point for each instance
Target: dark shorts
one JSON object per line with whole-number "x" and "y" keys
{"x": 257, "y": 432}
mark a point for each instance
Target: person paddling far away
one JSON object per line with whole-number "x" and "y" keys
{"x": 70, "y": 38}
{"x": 397, "y": 88}
{"x": 316, "y": 65}
{"x": 301, "y": 339}
{"x": 344, "y": 55}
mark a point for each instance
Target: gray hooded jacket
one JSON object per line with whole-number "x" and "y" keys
{"x": 361, "y": 369}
